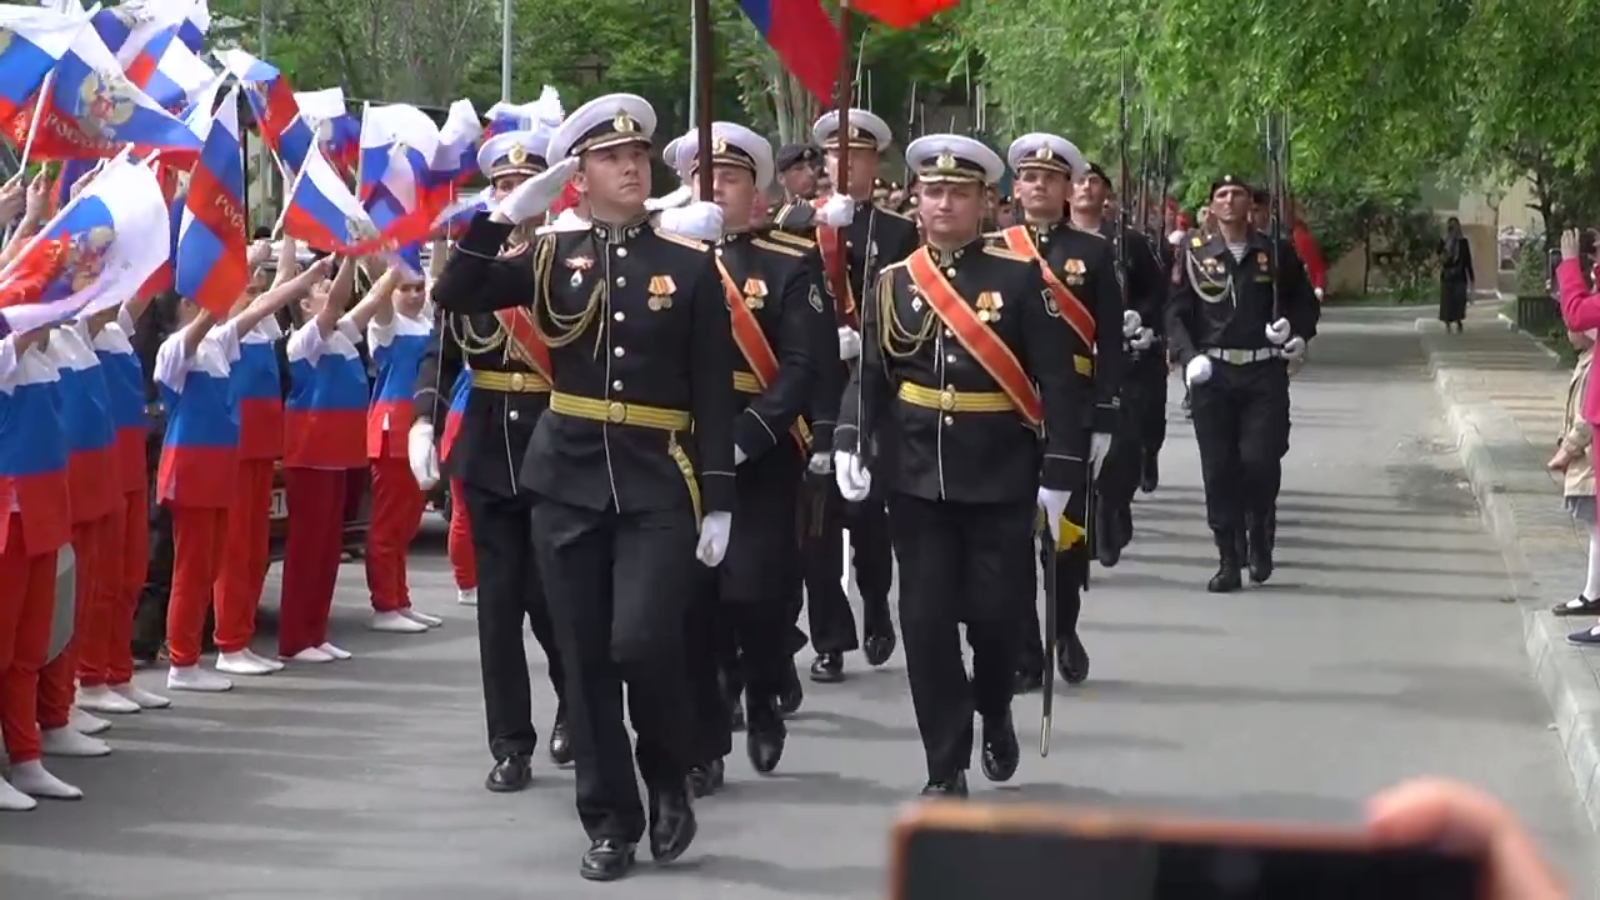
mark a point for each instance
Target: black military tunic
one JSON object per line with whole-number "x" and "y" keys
{"x": 505, "y": 402}
{"x": 964, "y": 478}
{"x": 636, "y": 447}
{"x": 1220, "y": 306}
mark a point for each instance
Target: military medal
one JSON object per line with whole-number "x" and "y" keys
{"x": 989, "y": 303}
{"x": 578, "y": 265}
{"x": 661, "y": 291}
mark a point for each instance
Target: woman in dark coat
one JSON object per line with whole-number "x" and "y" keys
{"x": 1455, "y": 276}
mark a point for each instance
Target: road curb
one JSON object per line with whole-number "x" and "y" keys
{"x": 1567, "y": 680}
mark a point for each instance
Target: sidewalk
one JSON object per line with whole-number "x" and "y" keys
{"x": 1504, "y": 396}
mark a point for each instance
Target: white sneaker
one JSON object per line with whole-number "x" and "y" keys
{"x": 66, "y": 741}
{"x": 139, "y": 695}
{"x": 336, "y": 652}
{"x": 194, "y": 678}
{"x": 242, "y": 663}
{"x": 272, "y": 664}
{"x": 422, "y": 618}
{"x": 311, "y": 655}
{"x": 84, "y": 723}
{"x": 467, "y": 596}
{"x": 395, "y": 623}
{"x": 102, "y": 699}
{"x": 13, "y": 800}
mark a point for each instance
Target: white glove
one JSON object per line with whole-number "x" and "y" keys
{"x": 1294, "y": 348}
{"x": 739, "y": 455}
{"x": 533, "y": 197}
{"x": 421, "y": 453}
{"x": 852, "y": 476}
{"x": 1318, "y": 292}
{"x": 699, "y": 221}
{"x": 1099, "y": 448}
{"x": 849, "y": 343}
{"x": 671, "y": 201}
{"x": 1131, "y": 323}
{"x": 820, "y": 464}
{"x": 837, "y": 211}
{"x": 1144, "y": 339}
{"x": 1176, "y": 237}
{"x": 1278, "y": 331}
{"x": 714, "y": 531}
{"x": 1198, "y": 371}
{"x": 1054, "y": 504}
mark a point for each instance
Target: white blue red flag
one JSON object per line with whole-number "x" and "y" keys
{"x": 168, "y": 71}
{"x": 32, "y": 41}
{"x": 211, "y": 267}
{"x": 324, "y": 214}
{"x": 271, "y": 100}
{"x": 327, "y": 121}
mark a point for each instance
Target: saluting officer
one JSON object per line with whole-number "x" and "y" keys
{"x": 875, "y": 237}
{"x": 1239, "y": 311}
{"x": 633, "y": 459}
{"x": 1079, "y": 270}
{"x": 961, "y": 371}
{"x": 784, "y": 332}
{"x": 510, "y": 376}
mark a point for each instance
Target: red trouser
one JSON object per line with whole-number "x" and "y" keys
{"x": 463, "y": 559}
{"x": 316, "y": 499}
{"x": 99, "y": 547}
{"x": 397, "y": 505}
{"x": 27, "y": 601}
{"x": 244, "y": 565}
{"x": 126, "y": 587}
{"x": 199, "y": 539}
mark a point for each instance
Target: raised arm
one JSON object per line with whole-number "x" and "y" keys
{"x": 476, "y": 279}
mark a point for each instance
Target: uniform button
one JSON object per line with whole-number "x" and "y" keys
{"x": 948, "y": 333}
{"x": 622, "y": 282}
{"x": 619, "y": 352}
{"x": 719, "y": 251}
{"x": 950, "y": 272}
{"x": 513, "y": 415}
{"x": 616, "y": 385}
{"x": 949, "y": 420}
{"x": 951, "y": 358}
{"x": 622, "y": 251}
{"x": 619, "y": 315}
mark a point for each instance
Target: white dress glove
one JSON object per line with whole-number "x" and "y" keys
{"x": 820, "y": 464}
{"x": 1131, "y": 323}
{"x": 422, "y": 454}
{"x": 739, "y": 455}
{"x": 1143, "y": 339}
{"x": 698, "y": 221}
{"x": 1294, "y": 348}
{"x": 1099, "y": 449}
{"x": 671, "y": 201}
{"x": 1278, "y": 331}
{"x": 1198, "y": 371}
{"x": 1054, "y": 504}
{"x": 837, "y": 211}
{"x": 1176, "y": 237}
{"x": 533, "y": 197}
{"x": 1318, "y": 292}
{"x": 715, "y": 529}
{"x": 849, "y": 343}
{"x": 851, "y": 474}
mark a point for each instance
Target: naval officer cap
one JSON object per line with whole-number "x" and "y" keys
{"x": 514, "y": 153}
{"x": 791, "y": 155}
{"x": 954, "y": 158}
{"x": 1229, "y": 181}
{"x": 1047, "y": 151}
{"x": 867, "y": 131}
{"x": 609, "y": 121}
{"x": 669, "y": 153}
{"x": 731, "y": 145}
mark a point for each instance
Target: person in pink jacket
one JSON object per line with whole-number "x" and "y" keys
{"x": 1580, "y": 307}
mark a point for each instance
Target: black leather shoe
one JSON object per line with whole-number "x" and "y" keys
{"x": 1072, "y": 660}
{"x": 1027, "y": 682}
{"x": 1150, "y": 478}
{"x": 879, "y": 646}
{"x": 560, "y": 742}
{"x": 736, "y": 721}
{"x": 765, "y": 738}
{"x": 791, "y": 694}
{"x": 700, "y": 780}
{"x": 1001, "y": 753}
{"x": 947, "y": 788}
{"x": 607, "y": 859}
{"x": 828, "y": 668}
{"x": 510, "y": 775}
{"x": 672, "y": 824}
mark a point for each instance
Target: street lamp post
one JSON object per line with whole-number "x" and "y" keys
{"x": 505, "y": 51}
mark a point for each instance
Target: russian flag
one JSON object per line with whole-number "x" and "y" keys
{"x": 211, "y": 268}
{"x": 453, "y": 220}
{"x": 324, "y": 214}
{"x": 803, "y": 36}
{"x": 195, "y": 26}
{"x": 197, "y": 116}
{"x": 115, "y": 27}
{"x": 504, "y": 117}
{"x": 898, "y": 13}
{"x": 329, "y": 123}
{"x": 398, "y": 186}
{"x": 32, "y": 41}
{"x": 92, "y": 255}
{"x": 174, "y": 187}
{"x": 271, "y": 100}
{"x": 169, "y": 72}
{"x": 455, "y": 160}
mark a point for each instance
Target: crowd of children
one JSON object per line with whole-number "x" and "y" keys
{"x": 76, "y": 490}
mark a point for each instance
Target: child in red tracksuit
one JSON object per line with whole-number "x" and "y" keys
{"x": 398, "y": 338}
{"x": 458, "y": 546}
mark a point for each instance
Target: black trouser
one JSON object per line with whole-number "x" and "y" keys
{"x": 1071, "y": 567}
{"x": 960, "y": 564}
{"x": 150, "y": 617}
{"x": 712, "y": 660}
{"x": 509, "y": 592}
{"x": 1150, "y": 374}
{"x": 620, "y": 588}
{"x": 833, "y": 624}
{"x": 1241, "y": 422}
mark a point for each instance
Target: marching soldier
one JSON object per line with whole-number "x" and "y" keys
{"x": 784, "y": 333}
{"x": 510, "y": 389}
{"x": 874, "y": 238}
{"x": 961, "y": 373}
{"x": 632, "y": 466}
{"x": 1240, "y": 310}
{"x": 797, "y": 174}
{"x": 1079, "y": 270}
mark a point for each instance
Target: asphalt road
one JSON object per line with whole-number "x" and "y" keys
{"x": 1382, "y": 649}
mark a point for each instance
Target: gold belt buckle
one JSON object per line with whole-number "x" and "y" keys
{"x": 616, "y": 413}
{"x": 518, "y": 381}
{"x": 947, "y": 400}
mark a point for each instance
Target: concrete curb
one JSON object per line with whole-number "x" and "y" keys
{"x": 1566, "y": 678}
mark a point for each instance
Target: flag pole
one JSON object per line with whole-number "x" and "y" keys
{"x": 702, "y": 94}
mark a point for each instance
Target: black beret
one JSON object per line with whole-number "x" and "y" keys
{"x": 1260, "y": 195}
{"x": 1095, "y": 170}
{"x": 1227, "y": 181}
{"x": 791, "y": 155}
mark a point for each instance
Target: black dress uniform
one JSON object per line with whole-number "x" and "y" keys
{"x": 637, "y": 445}
{"x": 964, "y": 471}
{"x": 507, "y": 399}
{"x": 1220, "y": 306}
{"x": 876, "y": 238}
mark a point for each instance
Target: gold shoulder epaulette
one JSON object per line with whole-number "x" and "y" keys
{"x": 895, "y": 265}
{"x": 998, "y": 236}
{"x": 893, "y": 212}
{"x": 1003, "y": 253}
{"x": 783, "y": 211}
{"x": 777, "y": 248}
{"x": 686, "y": 242}
{"x": 788, "y": 237}
{"x": 1195, "y": 242}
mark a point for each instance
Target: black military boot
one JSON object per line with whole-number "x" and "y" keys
{"x": 828, "y": 668}
{"x": 1001, "y": 752}
{"x": 607, "y": 859}
{"x": 1228, "y": 578}
{"x": 765, "y": 737}
{"x": 952, "y": 788}
{"x": 1260, "y": 550}
{"x": 672, "y": 822}
{"x": 1107, "y": 548}
{"x": 560, "y": 741}
{"x": 1150, "y": 478}
{"x": 791, "y": 694}
{"x": 1072, "y": 660}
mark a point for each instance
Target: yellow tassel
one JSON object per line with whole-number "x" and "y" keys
{"x": 1071, "y": 533}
